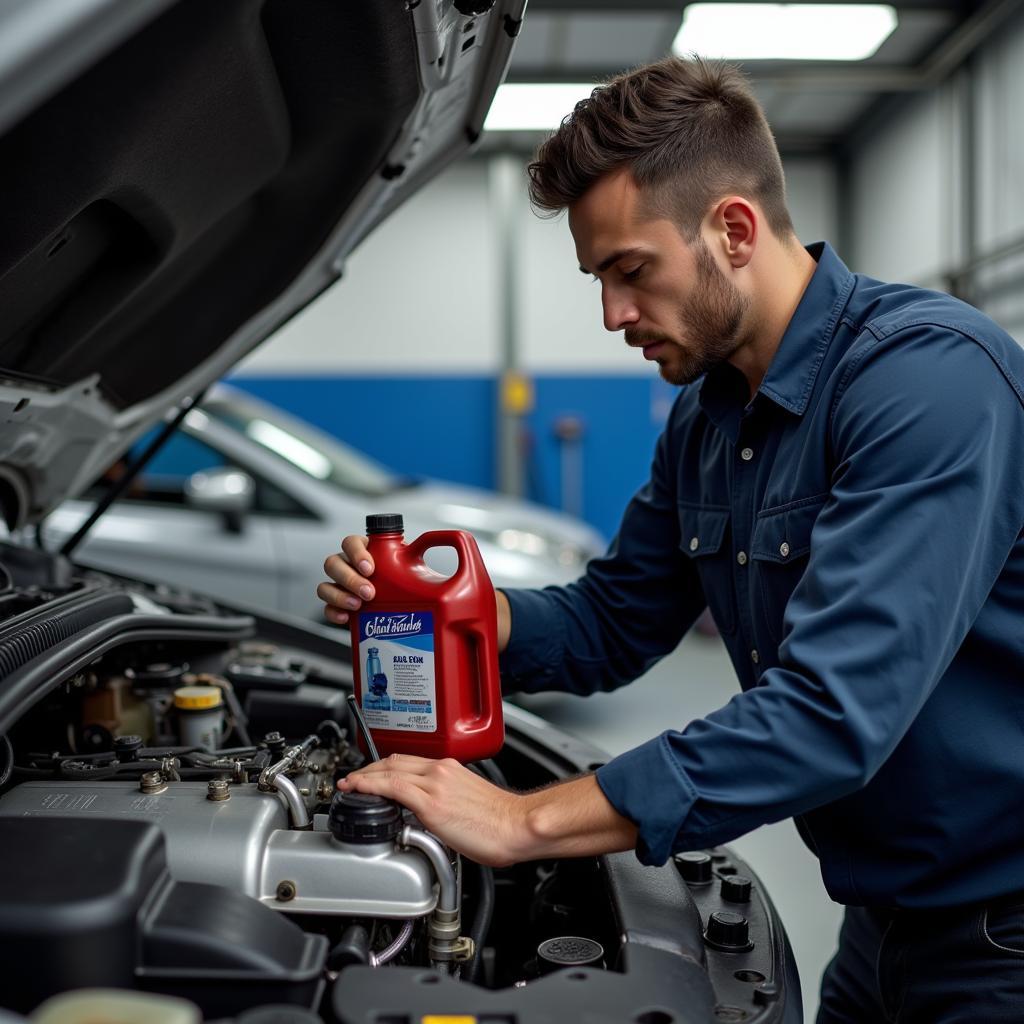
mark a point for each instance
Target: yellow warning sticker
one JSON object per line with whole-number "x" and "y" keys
{"x": 447, "y": 1018}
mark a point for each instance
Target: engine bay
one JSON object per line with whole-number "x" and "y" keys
{"x": 168, "y": 801}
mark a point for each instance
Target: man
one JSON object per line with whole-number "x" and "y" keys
{"x": 844, "y": 491}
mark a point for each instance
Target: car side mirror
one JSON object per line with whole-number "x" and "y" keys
{"x": 225, "y": 491}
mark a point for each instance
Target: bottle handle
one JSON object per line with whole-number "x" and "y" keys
{"x": 470, "y": 561}
{"x": 487, "y": 655}
{"x": 470, "y": 558}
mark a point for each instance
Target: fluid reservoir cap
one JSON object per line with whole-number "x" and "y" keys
{"x": 197, "y": 698}
{"x": 694, "y": 866}
{"x": 363, "y": 818}
{"x": 568, "y": 951}
{"x": 728, "y": 931}
{"x": 736, "y": 889}
{"x": 389, "y": 522}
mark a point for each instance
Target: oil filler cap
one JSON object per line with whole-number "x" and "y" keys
{"x": 390, "y": 522}
{"x": 363, "y": 818}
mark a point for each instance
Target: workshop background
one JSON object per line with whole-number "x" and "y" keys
{"x": 489, "y": 364}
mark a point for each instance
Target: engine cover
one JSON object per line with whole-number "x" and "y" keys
{"x": 244, "y": 844}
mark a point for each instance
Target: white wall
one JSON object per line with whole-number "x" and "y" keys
{"x": 907, "y": 182}
{"x": 1000, "y": 164}
{"x": 422, "y": 294}
{"x": 902, "y": 193}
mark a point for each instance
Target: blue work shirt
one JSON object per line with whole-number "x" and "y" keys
{"x": 856, "y": 529}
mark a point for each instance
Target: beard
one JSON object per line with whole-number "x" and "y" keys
{"x": 709, "y": 320}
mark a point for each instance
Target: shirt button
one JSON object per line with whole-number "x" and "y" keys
{"x": 754, "y": 656}
{"x": 784, "y": 550}
{"x": 694, "y": 543}
{"x": 747, "y": 454}
{"x": 742, "y": 558}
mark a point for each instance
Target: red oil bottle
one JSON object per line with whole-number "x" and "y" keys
{"x": 425, "y": 649}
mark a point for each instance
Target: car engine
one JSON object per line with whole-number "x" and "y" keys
{"x": 171, "y": 825}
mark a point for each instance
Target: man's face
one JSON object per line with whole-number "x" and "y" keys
{"x": 669, "y": 298}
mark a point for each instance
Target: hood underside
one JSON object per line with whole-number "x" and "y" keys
{"x": 182, "y": 190}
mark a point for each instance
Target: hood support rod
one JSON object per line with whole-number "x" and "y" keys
{"x": 119, "y": 486}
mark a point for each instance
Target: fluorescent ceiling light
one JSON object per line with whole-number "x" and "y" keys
{"x": 784, "y": 31}
{"x": 536, "y": 107}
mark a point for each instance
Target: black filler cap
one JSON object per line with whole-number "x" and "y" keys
{"x": 388, "y": 522}
{"x": 568, "y": 951}
{"x": 363, "y": 818}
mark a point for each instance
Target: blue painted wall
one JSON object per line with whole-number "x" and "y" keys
{"x": 445, "y": 427}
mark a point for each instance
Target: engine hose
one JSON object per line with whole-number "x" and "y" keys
{"x": 481, "y": 920}
{"x": 395, "y": 947}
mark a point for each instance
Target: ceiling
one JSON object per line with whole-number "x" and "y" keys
{"x": 812, "y": 106}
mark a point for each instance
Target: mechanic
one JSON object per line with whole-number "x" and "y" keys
{"x": 844, "y": 490}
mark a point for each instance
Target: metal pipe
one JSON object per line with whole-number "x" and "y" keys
{"x": 389, "y": 952}
{"x": 448, "y": 897}
{"x": 291, "y": 758}
{"x": 293, "y": 798}
{"x": 446, "y": 946}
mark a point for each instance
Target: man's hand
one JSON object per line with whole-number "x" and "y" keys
{"x": 491, "y": 825}
{"x": 350, "y": 571}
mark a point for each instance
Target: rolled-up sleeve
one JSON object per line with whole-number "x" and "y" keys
{"x": 926, "y": 503}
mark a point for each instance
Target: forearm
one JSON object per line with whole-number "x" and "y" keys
{"x": 572, "y": 819}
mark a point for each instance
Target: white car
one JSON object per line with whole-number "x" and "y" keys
{"x": 245, "y": 502}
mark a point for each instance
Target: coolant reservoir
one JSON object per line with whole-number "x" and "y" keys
{"x": 200, "y": 711}
{"x": 115, "y": 1006}
{"x": 425, "y": 649}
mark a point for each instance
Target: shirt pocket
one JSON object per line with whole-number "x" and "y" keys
{"x": 779, "y": 551}
{"x": 704, "y": 539}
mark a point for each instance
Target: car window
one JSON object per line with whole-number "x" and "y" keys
{"x": 303, "y": 446}
{"x": 163, "y": 479}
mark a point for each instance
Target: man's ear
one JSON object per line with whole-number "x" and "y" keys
{"x": 734, "y": 223}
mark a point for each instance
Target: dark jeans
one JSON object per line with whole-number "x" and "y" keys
{"x": 961, "y": 966}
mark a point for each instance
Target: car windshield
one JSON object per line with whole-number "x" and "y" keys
{"x": 303, "y": 446}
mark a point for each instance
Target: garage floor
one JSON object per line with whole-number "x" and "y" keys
{"x": 694, "y": 680}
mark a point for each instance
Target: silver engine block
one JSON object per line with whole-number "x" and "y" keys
{"x": 245, "y": 844}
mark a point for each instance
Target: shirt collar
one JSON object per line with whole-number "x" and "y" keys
{"x": 794, "y": 368}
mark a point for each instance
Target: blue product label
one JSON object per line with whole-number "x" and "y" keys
{"x": 396, "y": 655}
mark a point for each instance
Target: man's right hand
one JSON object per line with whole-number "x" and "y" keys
{"x": 350, "y": 570}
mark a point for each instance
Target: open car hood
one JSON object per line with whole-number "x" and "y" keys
{"x": 179, "y": 178}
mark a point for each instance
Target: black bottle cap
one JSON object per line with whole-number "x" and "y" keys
{"x": 127, "y": 747}
{"x": 736, "y": 889}
{"x": 695, "y": 867}
{"x": 568, "y": 951}
{"x": 389, "y": 522}
{"x": 363, "y": 818}
{"x": 728, "y": 931}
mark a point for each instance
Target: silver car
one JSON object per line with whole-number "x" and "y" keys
{"x": 244, "y": 503}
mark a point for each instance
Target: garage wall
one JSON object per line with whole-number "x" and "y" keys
{"x": 935, "y": 194}
{"x": 402, "y": 357}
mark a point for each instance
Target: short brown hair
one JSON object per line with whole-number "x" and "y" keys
{"x": 690, "y": 131}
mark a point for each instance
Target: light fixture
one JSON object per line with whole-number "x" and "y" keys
{"x": 533, "y": 107}
{"x": 784, "y": 31}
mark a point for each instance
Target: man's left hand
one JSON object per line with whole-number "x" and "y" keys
{"x": 494, "y": 826}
